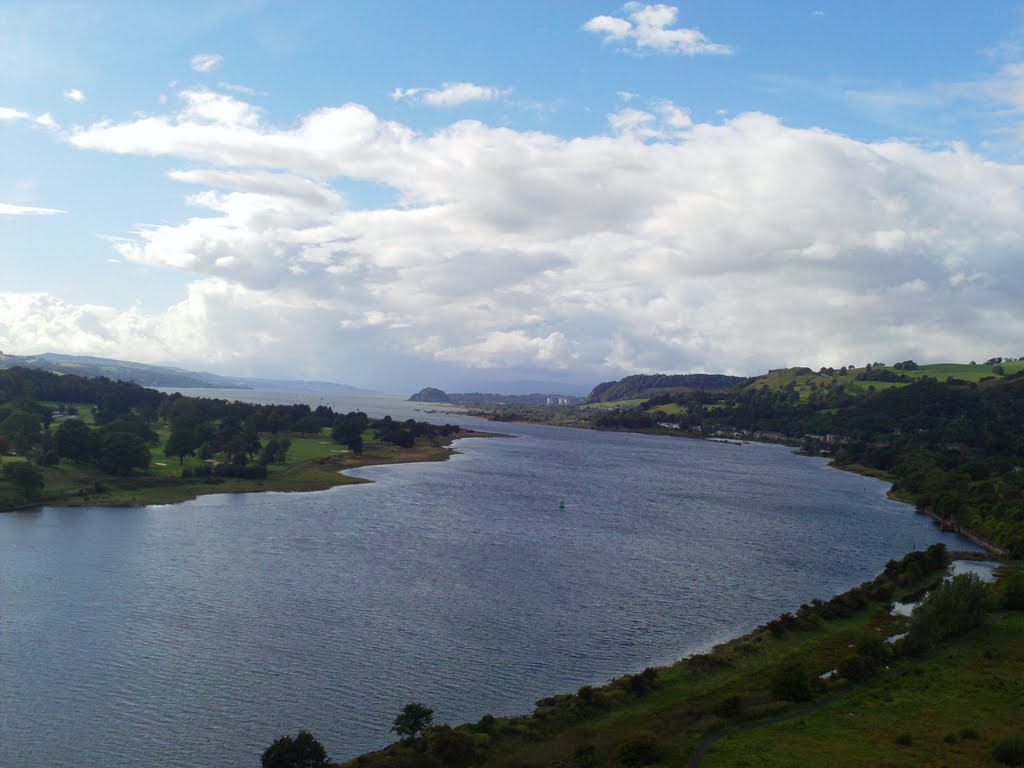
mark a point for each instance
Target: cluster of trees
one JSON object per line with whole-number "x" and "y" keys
{"x": 305, "y": 751}
{"x": 243, "y": 438}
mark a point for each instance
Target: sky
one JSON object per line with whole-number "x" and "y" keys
{"x": 469, "y": 194}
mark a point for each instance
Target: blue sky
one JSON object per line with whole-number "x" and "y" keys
{"x": 466, "y": 194}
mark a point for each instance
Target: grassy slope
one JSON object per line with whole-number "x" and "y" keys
{"x": 802, "y": 380}
{"x": 976, "y": 690}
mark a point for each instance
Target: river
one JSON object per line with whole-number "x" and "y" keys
{"x": 195, "y": 634}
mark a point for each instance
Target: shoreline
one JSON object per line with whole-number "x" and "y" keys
{"x": 993, "y": 549}
{"x": 303, "y": 476}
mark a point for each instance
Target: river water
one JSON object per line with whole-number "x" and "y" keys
{"x": 195, "y": 634}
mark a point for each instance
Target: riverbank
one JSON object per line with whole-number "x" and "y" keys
{"x": 904, "y": 710}
{"x": 314, "y": 463}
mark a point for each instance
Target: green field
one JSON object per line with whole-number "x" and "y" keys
{"x": 633, "y": 403}
{"x": 948, "y": 712}
{"x": 805, "y": 382}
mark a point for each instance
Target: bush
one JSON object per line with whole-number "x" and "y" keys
{"x": 303, "y": 751}
{"x": 792, "y": 682}
{"x": 585, "y": 756}
{"x": 968, "y": 733}
{"x": 951, "y": 609}
{"x": 640, "y": 751}
{"x": 729, "y": 707}
{"x": 1011, "y": 591}
{"x": 857, "y": 668}
{"x": 1009, "y": 751}
{"x": 873, "y": 646}
{"x": 904, "y": 740}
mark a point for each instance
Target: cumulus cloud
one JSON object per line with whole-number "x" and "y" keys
{"x": 449, "y": 95}
{"x": 9, "y": 209}
{"x": 75, "y": 95}
{"x": 663, "y": 244}
{"x": 650, "y": 28}
{"x": 10, "y": 114}
{"x": 205, "y": 62}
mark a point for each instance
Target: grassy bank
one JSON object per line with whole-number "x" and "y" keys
{"x": 905, "y": 711}
{"x": 314, "y": 462}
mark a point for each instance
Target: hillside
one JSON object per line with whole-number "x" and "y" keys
{"x": 166, "y": 377}
{"x": 648, "y": 385}
{"x": 878, "y": 376}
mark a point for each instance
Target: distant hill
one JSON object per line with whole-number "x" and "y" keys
{"x": 875, "y": 377}
{"x": 435, "y": 395}
{"x": 158, "y": 375}
{"x": 643, "y": 385}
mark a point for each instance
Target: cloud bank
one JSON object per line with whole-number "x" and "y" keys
{"x": 662, "y": 244}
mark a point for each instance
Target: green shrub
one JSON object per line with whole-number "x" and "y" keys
{"x": 857, "y": 668}
{"x": 585, "y": 756}
{"x": 904, "y": 740}
{"x": 873, "y": 646}
{"x": 792, "y": 682}
{"x": 640, "y": 751}
{"x": 952, "y": 608}
{"x": 950, "y": 738}
{"x": 1011, "y": 591}
{"x": 968, "y": 733}
{"x": 729, "y": 707}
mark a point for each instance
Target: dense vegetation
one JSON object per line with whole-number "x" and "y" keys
{"x": 647, "y": 385}
{"x": 70, "y": 438}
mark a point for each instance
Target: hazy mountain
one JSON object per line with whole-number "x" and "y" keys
{"x": 160, "y": 375}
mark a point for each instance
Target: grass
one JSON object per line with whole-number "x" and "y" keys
{"x": 952, "y": 710}
{"x": 805, "y": 382}
{"x": 632, "y": 403}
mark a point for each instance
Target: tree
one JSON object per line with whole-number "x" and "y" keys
{"x": 22, "y": 428}
{"x": 304, "y": 751}
{"x": 181, "y": 443}
{"x": 25, "y": 477}
{"x": 413, "y": 720}
{"x": 121, "y": 452}
{"x": 75, "y": 440}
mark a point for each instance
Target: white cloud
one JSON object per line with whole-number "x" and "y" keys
{"x": 662, "y": 245}
{"x": 650, "y": 28}
{"x": 75, "y": 95}
{"x": 449, "y": 95}
{"x": 9, "y": 113}
{"x": 9, "y": 209}
{"x": 46, "y": 120}
{"x": 205, "y": 62}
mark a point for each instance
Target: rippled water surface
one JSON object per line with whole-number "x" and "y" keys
{"x": 195, "y": 634}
